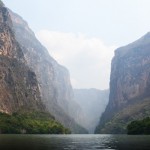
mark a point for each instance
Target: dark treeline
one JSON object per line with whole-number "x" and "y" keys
{"x": 30, "y": 123}
{"x": 139, "y": 127}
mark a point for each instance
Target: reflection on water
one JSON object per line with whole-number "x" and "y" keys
{"x": 74, "y": 142}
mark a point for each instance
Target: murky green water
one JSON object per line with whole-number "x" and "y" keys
{"x": 74, "y": 142}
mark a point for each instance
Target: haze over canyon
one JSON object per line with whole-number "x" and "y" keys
{"x": 33, "y": 82}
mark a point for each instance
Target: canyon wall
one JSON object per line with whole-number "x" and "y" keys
{"x": 129, "y": 87}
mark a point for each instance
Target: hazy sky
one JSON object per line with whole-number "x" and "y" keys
{"x": 83, "y": 34}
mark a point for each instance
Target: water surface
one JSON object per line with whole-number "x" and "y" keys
{"x": 74, "y": 142}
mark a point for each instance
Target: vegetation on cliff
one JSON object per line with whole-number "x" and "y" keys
{"x": 129, "y": 97}
{"x": 30, "y": 123}
{"x": 118, "y": 123}
{"x": 139, "y": 126}
{"x": 55, "y": 87}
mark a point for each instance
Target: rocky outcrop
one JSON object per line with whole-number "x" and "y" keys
{"x": 54, "y": 80}
{"x": 19, "y": 89}
{"x": 93, "y": 103}
{"x": 129, "y": 87}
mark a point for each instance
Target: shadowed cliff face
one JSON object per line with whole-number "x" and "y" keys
{"x": 129, "y": 86}
{"x": 19, "y": 89}
{"x": 54, "y": 79}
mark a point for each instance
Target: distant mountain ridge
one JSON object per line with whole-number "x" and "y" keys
{"x": 93, "y": 103}
{"x": 129, "y": 87}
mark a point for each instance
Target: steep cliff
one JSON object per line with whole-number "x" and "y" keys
{"x": 54, "y": 80}
{"x": 93, "y": 103}
{"x": 19, "y": 89}
{"x": 129, "y": 87}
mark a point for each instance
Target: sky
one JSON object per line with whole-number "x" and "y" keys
{"x": 83, "y": 34}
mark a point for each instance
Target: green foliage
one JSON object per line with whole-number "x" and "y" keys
{"x": 139, "y": 126}
{"x": 117, "y": 123}
{"x": 30, "y": 123}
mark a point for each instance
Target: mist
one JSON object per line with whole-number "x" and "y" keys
{"x": 81, "y": 36}
{"x": 93, "y": 103}
{"x": 88, "y": 59}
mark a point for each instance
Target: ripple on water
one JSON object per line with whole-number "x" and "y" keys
{"x": 74, "y": 142}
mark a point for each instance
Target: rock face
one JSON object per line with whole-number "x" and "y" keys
{"x": 93, "y": 103}
{"x": 55, "y": 88}
{"x": 19, "y": 89}
{"x": 129, "y": 87}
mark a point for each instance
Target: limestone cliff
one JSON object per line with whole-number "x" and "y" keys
{"x": 54, "y": 80}
{"x": 19, "y": 89}
{"x": 129, "y": 87}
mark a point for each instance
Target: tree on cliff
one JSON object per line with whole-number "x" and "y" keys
{"x": 139, "y": 126}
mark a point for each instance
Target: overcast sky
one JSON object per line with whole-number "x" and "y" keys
{"x": 83, "y": 34}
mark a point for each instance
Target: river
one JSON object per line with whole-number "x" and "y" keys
{"x": 74, "y": 142}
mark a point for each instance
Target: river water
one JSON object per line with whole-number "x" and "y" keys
{"x": 74, "y": 142}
